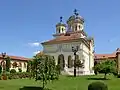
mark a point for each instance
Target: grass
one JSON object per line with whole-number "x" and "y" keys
{"x": 64, "y": 83}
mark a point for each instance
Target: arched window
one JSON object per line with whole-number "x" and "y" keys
{"x": 59, "y": 30}
{"x": 15, "y": 64}
{"x": 62, "y": 29}
{"x": 61, "y": 61}
{"x": 25, "y": 65}
{"x": 76, "y": 28}
{"x": 69, "y": 61}
{"x": 79, "y": 26}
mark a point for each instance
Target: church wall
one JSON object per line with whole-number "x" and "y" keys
{"x": 66, "y": 49}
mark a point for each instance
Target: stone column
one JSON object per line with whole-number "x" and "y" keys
{"x": 118, "y": 62}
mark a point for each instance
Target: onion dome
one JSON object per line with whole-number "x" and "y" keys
{"x": 75, "y": 18}
{"x": 60, "y": 23}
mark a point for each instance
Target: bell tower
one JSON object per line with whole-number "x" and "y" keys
{"x": 60, "y": 27}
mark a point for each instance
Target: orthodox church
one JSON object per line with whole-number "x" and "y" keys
{"x": 68, "y": 37}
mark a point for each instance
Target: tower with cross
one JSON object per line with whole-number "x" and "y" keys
{"x": 60, "y": 27}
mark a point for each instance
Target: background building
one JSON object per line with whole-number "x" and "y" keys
{"x": 111, "y": 56}
{"x": 67, "y": 36}
{"x": 16, "y": 62}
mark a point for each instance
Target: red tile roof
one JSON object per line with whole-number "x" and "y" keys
{"x": 63, "y": 38}
{"x": 103, "y": 56}
{"x": 17, "y": 58}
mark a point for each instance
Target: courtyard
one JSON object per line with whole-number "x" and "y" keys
{"x": 64, "y": 83}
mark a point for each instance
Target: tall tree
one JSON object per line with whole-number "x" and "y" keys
{"x": 107, "y": 66}
{"x": 7, "y": 63}
{"x": 29, "y": 66}
{"x": 35, "y": 63}
{"x": 45, "y": 68}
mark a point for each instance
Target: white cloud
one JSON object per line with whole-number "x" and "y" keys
{"x": 36, "y": 44}
{"x": 36, "y": 52}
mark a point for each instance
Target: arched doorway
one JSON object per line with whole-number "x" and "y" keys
{"x": 61, "y": 61}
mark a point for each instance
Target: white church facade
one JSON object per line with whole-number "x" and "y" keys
{"x": 67, "y": 36}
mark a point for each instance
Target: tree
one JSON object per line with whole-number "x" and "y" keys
{"x": 105, "y": 67}
{"x": 29, "y": 66}
{"x": 79, "y": 64}
{"x": 8, "y": 64}
{"x": 45, "y": 68}
{"x": 36, "y": 60}
{"x": 15, "y": 65}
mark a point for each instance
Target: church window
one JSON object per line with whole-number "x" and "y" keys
{"x": 76, "y": 28}
{"x": 25, "y": 65}
{"x": 79, "y": 26}
{"x": 59, "y": 30}
{"x": 69, "y": 61}
{"x": 62, "y": 29}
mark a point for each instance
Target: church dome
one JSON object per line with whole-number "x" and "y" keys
{"x": 60, "y": 24}
{"x": 75, "y": 18}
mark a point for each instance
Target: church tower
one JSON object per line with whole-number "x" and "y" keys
{"x": 60, "y": 27}
{"x": 75, "y": 22}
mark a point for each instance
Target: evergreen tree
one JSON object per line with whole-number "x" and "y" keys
{"x": 8, "y": 64}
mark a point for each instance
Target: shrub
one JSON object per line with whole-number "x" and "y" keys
{"x": 20, "y": 70}
{"x": 19, "y": 75}
{"x": 97, "y": 86}
{"x": 3, "y": 77}
{"x": 12, "y": 71}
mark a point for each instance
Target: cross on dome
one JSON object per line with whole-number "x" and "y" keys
{"x": 75, "y": 12}
{"x": 61, "y": 19}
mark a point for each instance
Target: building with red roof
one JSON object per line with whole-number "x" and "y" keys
{"x": 69, "y": 38}
{"x": 16, "y": 62}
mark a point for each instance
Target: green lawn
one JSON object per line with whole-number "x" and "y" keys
{"x": 64, "y": 83}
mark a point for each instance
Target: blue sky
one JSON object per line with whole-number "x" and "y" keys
{"x": 26, "y": 23}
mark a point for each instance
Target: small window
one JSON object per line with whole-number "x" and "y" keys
{"x": 59, "y": 30}
{"x": 79, "y": 26}
{"x": 62, "y": 29}
{"x": 76, "y": 28}
{"x": 25, "y": 65}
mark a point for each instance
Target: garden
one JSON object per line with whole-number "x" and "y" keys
{"x": 64, "y": 83}
{"x": 43, "y": 74}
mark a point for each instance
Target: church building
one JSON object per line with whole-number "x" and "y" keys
{"x": 68, "y": 37}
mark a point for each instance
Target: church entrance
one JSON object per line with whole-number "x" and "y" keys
{"x": 61, "y": 61}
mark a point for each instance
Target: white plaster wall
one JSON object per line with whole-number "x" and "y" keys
{"x": 22, "y": 62}
{"x": 66, "y": 49}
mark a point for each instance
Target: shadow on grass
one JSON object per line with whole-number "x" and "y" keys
{"x": 33, "y": 88}
{"x": 97, "y": 79}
